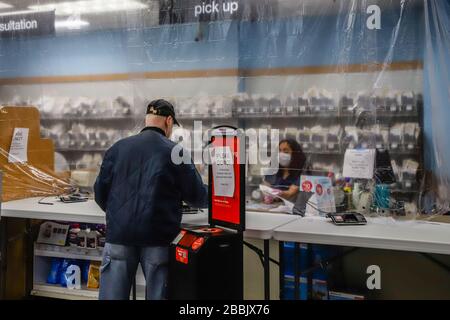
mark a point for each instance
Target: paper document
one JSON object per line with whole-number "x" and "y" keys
{"x": 276, "y": 193}
{"x": 223, "y": 171}
{"x": 18, "y": 152}
{"x": 359, "y": 163}
{"x": 272, "y": 208}
{"x": 269, "y": 190}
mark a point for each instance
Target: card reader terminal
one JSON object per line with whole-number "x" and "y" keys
{"x": 348, "y": 218}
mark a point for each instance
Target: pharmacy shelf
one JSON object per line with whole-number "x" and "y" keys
{"x": 391, "y": 152}
{"x": 81, "y": 149}
{"x": 88, "y": 118}
{"x": 203, "y": 117}
{"x": 59, "y": 292}
{"x": 404, "y": 152}
{"x": 67, "y": 252}
{"x": 322, "y": 115}
{"x": 326, "y": 152}
{"x": 406, "y": 191}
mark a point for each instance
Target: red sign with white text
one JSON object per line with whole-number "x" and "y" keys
{"x": 227, "y": 208}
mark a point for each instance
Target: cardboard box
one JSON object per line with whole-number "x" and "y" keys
{"x": 36, "y": 177}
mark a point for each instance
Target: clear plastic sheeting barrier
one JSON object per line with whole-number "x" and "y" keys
{"x": 437, "y": 97}
{"x": 327, "y": 76}
{"x": 27, "y": 160}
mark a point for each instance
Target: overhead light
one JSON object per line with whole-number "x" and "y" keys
{"x": 90, "y": 6}
{"x": 5, "y": 6}
{"x": 71, "y": 24}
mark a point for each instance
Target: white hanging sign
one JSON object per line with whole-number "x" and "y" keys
{"x": 223, "y": 171}
{"x": 18, "y": 152}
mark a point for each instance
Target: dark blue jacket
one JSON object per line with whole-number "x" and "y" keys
{"x": 141, "y": 190}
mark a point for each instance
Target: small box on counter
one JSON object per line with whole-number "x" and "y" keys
{"x": 53, "y": 233}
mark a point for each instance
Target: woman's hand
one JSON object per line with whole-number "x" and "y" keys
{"x": 289, "y": 193}
{"x": 269, "y": 196}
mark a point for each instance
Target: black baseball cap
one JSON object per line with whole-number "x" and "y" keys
{"x": 163, "y": 108}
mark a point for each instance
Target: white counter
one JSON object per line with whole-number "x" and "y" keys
{"x": 380, "y": 233}
{"x": 87, "y": 212}
{"x": 259, "y": 225}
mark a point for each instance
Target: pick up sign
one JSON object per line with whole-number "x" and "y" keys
{"x": 216, "y": 7}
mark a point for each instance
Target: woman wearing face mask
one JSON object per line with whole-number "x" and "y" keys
{"x": 291, "y": 164}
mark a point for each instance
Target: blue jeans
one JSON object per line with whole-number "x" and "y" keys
{"x": 119, "y": 266}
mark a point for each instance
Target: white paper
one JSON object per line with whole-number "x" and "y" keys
{"x": 223, "y": 171}
{"x": 268, "y": 190}
{"x": 359, "y": 163}
{"x": 18, "y": 152}
{"x": 276, "y": 193}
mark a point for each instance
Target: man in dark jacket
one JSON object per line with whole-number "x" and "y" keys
{"x": 141, "y": 190}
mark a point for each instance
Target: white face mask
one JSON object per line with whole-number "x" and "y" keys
{"x": 284, "y": 158}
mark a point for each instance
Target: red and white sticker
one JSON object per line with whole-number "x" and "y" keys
{"x": 181, "y": 255}
{"x": 307, "y": 186}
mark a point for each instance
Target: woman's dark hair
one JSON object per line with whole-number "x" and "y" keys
{"x": 298, "y": 158}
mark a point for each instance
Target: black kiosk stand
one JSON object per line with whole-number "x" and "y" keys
{"x": 206, "y": 262}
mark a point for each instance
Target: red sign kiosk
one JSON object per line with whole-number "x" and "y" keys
{"x": 206, "y": 262}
